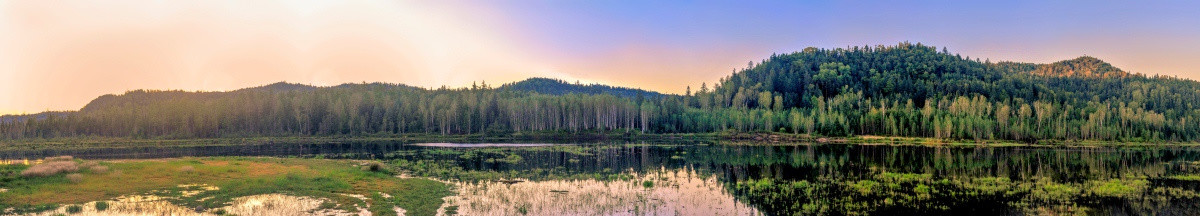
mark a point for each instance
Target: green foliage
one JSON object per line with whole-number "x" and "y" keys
{"x": 908, "y": 90}
{"x": 101, "y": 206}
{"x": 913, "y": 90}
{"x": 74, "y": 209}
{"x": 523, "y": 209}
{"x": 375, "y": 166}
{"x": 1117, "y": 187}
{"x": 431, "y": 164}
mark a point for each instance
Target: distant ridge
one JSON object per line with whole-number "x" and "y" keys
{"x": 142, "y": 97}
{"x": 538, "y": 85}
{"x": 559, "y": 87}
{"x": 282, "y": 86}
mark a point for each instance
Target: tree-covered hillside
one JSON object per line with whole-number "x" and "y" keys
{"x": 902, "y": 90}
{"x": 915, "y": 90}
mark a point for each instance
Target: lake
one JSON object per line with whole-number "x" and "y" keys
{"x": 773, "y": 180}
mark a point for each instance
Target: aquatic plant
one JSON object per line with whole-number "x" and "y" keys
{"x": 73, "y": 209}
{"x": 1117, "y": 187}
{"x": 101, "y": 206}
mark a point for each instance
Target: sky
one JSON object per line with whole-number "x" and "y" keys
{"x": 59, "y": 55}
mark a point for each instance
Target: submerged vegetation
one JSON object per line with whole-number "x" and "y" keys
{"x": 468, "y": 164}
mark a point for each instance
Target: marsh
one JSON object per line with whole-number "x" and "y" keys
{"x": 641, "y": 178}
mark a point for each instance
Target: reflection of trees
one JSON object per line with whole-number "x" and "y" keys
{"x": 838, "y": 161}
{"x": 866, "y": 179}
{"x": 856, "y": 178}
{"x": 842, "y": 179}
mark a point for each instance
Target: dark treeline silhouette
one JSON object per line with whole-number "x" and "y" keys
{"x": 903, "y": 90}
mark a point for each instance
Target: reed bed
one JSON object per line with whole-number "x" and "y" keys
{"x": 50, "y": 168}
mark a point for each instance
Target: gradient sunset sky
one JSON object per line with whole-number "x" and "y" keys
{"x": 59, "y": 55}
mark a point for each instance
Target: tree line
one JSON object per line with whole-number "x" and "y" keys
{"x": 902, "y": 90}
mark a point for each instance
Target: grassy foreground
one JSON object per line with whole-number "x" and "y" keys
{"x": 234, "y": 176}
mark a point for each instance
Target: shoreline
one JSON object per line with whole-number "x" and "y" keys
{"x": 720, "y": 138}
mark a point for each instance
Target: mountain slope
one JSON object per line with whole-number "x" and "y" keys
{"x": 875, "y": 90}
{"x": 921, "y": 73}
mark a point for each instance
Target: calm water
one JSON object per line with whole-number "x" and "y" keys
{"x": 802, "y": 179}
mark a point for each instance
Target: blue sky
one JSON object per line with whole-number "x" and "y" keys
{"x": 1018, "y": 30}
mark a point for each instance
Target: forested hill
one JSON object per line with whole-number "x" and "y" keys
{"x": 916, "y": 90}
{"x": 538, "y": 85}
{"x": 150, "y": 97}
{"x": 560, "y": 87}
{"x": 907, "y": 89}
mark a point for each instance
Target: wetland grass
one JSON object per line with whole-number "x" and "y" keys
{"x": 50, "y": 168}
{"x": 233, "y": 178}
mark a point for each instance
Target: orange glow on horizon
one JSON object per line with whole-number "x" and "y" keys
{"x": 59, "y": 55}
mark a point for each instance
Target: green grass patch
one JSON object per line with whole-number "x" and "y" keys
{"x": 235, "y": 176}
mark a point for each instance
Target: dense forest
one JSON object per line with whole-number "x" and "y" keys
{"x": 902, "y": 90}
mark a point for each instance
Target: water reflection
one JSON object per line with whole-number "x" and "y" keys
{"x": 483, "y": 145}
{"x": 664, "y": 192}
{"x": 263, "y": 204}
{"x": 813, "y": 179}
{"x": 848, "y": 179}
